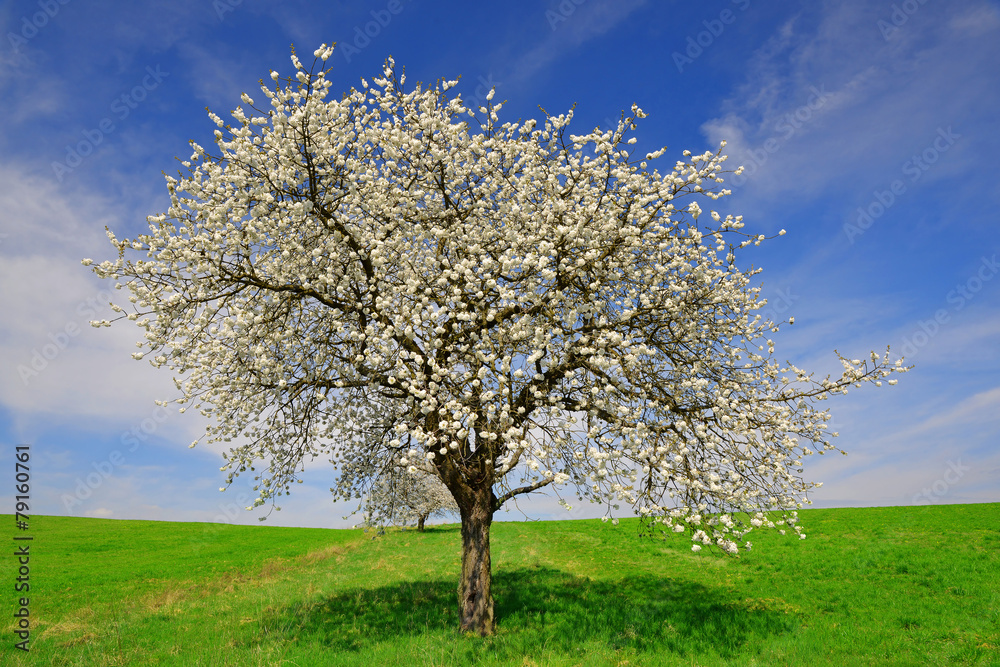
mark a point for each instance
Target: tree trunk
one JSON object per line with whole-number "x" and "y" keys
{"x": 475, "y": 596}
{"x": 420, "y": 523}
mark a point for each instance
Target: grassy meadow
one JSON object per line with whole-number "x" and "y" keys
{"x": 873, "y": 586}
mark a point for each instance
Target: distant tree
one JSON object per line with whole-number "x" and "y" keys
{"x": 404, "y": 498}
{"x": 391, "y": 278}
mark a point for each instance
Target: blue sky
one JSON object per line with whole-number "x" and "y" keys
{"x": 867, "y": 129}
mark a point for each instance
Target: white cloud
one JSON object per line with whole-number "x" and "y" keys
{"x": 58, "y": 369}
{"x": 882, "y": 99}
{"x": 977, "y": 20}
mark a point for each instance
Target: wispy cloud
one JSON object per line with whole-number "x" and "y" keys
{"x": 880, "y": 96}
{"x": 588, "y": 20}
{"x": 219, "y": 76}
{"x": 48, "y": 350}
{"x": 983, "y": 407}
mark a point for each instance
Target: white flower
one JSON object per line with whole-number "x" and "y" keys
{"x": 87, "y": 262}
{"x": 696, "y": 548}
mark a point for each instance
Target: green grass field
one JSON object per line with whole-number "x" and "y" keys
{"x": 876, "y": 586}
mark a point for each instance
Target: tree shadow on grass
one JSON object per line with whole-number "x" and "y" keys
{"x": 543, "y": 606}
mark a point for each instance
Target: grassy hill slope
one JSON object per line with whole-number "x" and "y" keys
{"x": 874, "y": 586}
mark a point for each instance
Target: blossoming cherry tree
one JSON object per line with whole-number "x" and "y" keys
{"x": 390, "y": 278}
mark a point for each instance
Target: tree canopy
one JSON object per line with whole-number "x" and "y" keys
{"x": 392, "y": 278}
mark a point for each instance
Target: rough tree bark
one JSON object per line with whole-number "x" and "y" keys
{"x": 420, "y": 523}
{"x": 475, "y": 591}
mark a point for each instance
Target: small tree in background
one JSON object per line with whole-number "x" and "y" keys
{"x": 392, "y": 279}
{"x": 405, "y": 498}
